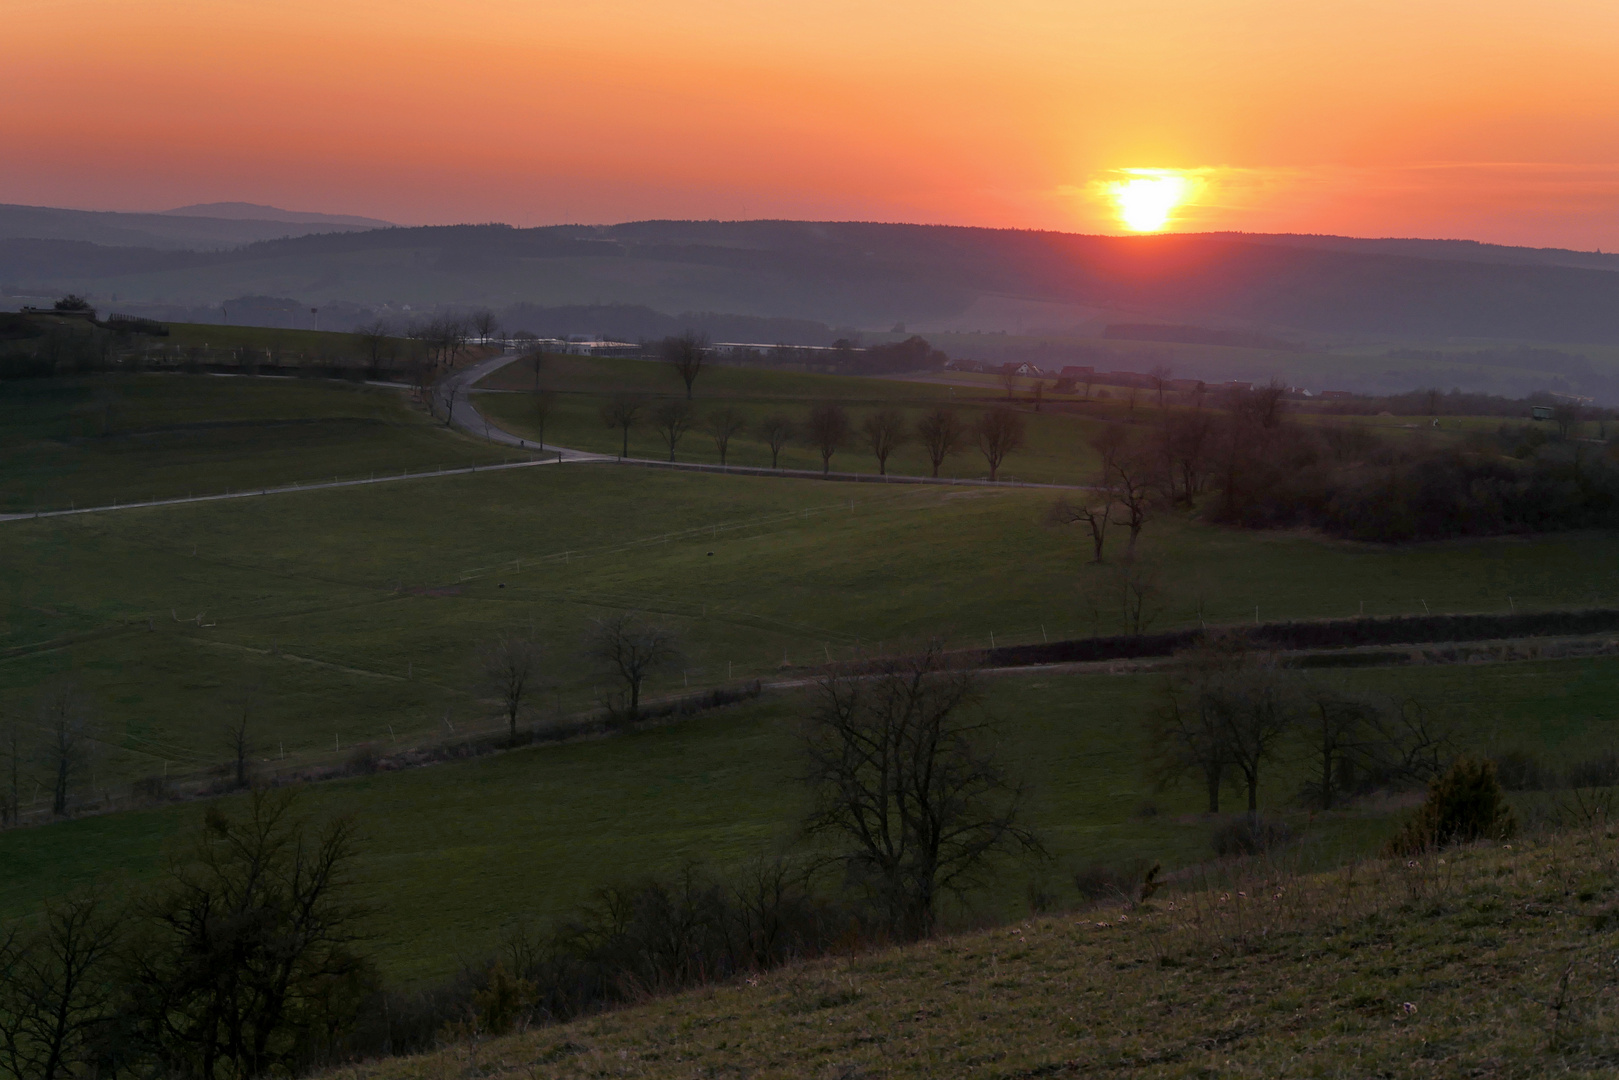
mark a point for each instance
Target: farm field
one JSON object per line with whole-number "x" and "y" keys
{"x": 353, "y": 617}
{"x": 130, "y": 438}
{"x": 357, "y": 613}
{"x": 454, "y": 853}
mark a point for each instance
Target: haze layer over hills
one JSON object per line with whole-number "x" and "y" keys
{"x": 811, "y": 282}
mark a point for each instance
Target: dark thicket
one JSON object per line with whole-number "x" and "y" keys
{"x": 1269, "y": 473}
{"x": 1465, "y": 804}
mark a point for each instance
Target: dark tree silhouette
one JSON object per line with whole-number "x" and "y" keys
{"x": 828, "y": 430}
{"x": 1000, "y": 432}
{"x": 685, "y": 353}
{"x": 724, "y": 424}
{"x": 943, "y": 433}
{"x": 673, "y": 420}
{"x": 621, "y": 411}
{"x": 885, "y": 431}
{"x": 776, "y": 431}
{"x": 512, "y": 668}
{"x": 903, "y": 781}
{"x": 628, "y": 649}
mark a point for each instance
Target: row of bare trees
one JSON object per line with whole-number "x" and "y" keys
{"x": 50, "y": 755}
{"x": 624, "y": 649}
{"x": 1228, "y": 713}
{"x": 828, "y": 428}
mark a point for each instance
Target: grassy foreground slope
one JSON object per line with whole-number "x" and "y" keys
{"x": 1479, "y": 962}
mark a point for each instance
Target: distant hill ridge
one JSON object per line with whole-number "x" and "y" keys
{"x": 870, "y": 275}
{"x": 242, "y": 211}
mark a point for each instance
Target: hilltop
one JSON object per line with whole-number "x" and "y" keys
{"x": 1485, "y": 961}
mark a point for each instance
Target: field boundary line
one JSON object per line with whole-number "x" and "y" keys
{"x": 286, "y": 489}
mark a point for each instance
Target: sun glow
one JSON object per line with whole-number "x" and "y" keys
{"x": 1146, "y": 198}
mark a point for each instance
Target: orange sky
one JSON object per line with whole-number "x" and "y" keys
{"x": 1491, "y": 119}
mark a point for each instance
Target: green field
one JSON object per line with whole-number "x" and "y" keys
{"x": 453, "y": 854}
{"x": 355, "y": 616}
{"x": 131, "y": 438}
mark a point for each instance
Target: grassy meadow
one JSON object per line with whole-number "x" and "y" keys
{"x": 354, "y": 616}
{"x": 94, "y": 440}
{"x": 454, "y": 854}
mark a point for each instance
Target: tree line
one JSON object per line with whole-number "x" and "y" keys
{"x": 1250, "y": 463}
{"x": 827, "y": 428}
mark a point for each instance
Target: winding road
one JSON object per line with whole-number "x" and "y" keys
{"x": 456, "y": 389}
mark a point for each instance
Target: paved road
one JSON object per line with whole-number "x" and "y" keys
{"x": 456, "y": 388}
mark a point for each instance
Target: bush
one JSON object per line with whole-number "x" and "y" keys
{"x": 1465, "y": 804}
{"x": 1101, "y": 882}
{"x": 1250, "y": 834}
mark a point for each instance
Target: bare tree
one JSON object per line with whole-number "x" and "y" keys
{"x": 903, "y": 780}
{"x": 248, "y": 964}
{"x": 445, "y": 393}
{"x": 673, "y": 420}
{"x": 1159, "y": 376}
{"x": 56, "y": 991}
{"x": 724, "y": 424}
{"x": 776, "y": 431}
{"x": 485, "y": 324}
{"x": 512, "y": 669}
{"x": 885, "y": 432}
{"x": 1093, "y": 515}
{"x": 1132, "y": 482}
{"x": 1183, "y": 441}
{"x": 1000, "y": 432}
{"x": 1337, "y": 731}
{"x": 628, "y": 650}
{"x": 943, "y": 433}
{"x": 11, "y": 793}
{"x": 1225, "y": 708}
{"x": 1136, "y": 585}
{"x": 537, "y": 360}
{"x": 542, "y": 402}
{"x": 1565, "y": 414}
{"x": 241, "y": 712}
{"x": 621, "y": 411}
{"x": 828, "y": 429}
{"x": 64, "y": 719}
{"x": 374, "y": 341}
{"x": 685, "y": 352}
{"x": 1009, "y": 380}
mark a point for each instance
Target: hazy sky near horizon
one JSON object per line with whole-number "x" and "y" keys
{"x": 1495, "y": 120}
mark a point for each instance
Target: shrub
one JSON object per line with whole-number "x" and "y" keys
{"x": 1132, "y": 881}
{"x": 1250, "y": 834}
{"x": 1465, "y": 804}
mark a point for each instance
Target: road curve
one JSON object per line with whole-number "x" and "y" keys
{"x": 456, "y": 389}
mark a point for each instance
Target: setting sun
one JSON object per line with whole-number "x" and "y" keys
{"x": 1146, "y": 198}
